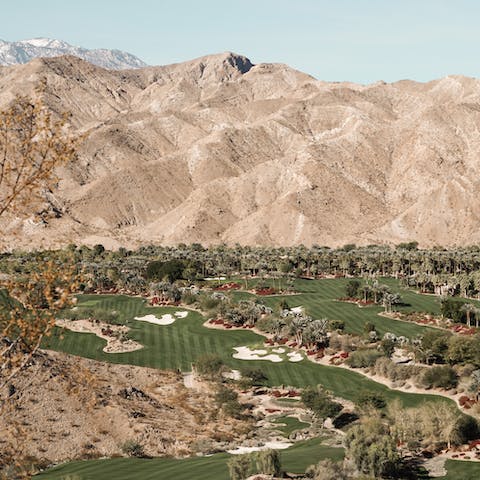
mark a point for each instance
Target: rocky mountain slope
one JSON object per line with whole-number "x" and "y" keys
{"x": 70, "y": 407}
{"x": 14, "y": 53}
{"x": 220, "y": 150}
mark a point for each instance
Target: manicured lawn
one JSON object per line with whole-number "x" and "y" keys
{"x": 287, "y": 425}
{"x": 295, "y": 459}
{"x": 177, "y": 345}
{"x": 319, "y": 298}
{"x": 462, "y": 470}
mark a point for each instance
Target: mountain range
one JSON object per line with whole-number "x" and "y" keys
{"x": 14, "y": 53}
{"x": 220, "y": 150}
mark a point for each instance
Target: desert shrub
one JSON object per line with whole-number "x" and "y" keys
{"x": 363, "y": 358}
{"x": 368, "y": 400}
{"x": 268, "y": 462}
{"x": 227, "y": 399}
{"x": 452, "y": 308}
{"x": 224, "y": 395}
{"x": 388, "y": 347}
{"x": 132, "y": 448}
{"x": 107, "y": 316}
{"x": 440, "y": 377}
{"x": 389, "y": 369}
{"x": 464, "y": 350}
{"x": 209, "y": 303}
{"x": 234, "y": 409}
{"x": 336, "y": 325}
{"x": 373, "y": 450}
{"x": 328, "y": 470}
{"x": 254, "y": 376}
{"x": 239, "y": 466}
{"x": 352, "y": 287}
{"x": 345, "y": 343}
{"x": 210, "y": 365}
{"x": 189, "y": 298}
{"x": 466, "y": 428}
{"x": 320, "y": 403}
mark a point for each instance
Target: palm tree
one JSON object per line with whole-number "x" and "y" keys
{"x": 390, "y": 299}
{"x": 315, "y": 333}
{"x": 297, "y": 326}
{"x": 277, "y": 325}
{"x": 469, "y": 308}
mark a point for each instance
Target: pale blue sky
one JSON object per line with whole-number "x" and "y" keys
{"x": 356, "y": 40}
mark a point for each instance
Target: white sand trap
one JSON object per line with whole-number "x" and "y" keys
{"x": 294, "y": 357}
{"x": 298, "y": 309}
{"x": 166, "y": 319}
{"x": 244, "y": 353}
{"x": 214, "y": 278}
{"x": 267, "y": 446}
{"x": 278, "y": 350}
{"x": 114, "y": 344}
{"x": 233, "y": 375}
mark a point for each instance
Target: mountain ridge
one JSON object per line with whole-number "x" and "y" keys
{"x": 20, "y": 52}
{"x": 217, "y": 149}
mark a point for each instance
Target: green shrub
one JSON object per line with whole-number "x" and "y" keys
{"x": 210, "y": 365}
{"x": 170, "y": 270}
{"x": 189, "y": 298}
{"x": 368, "y": 399}
{"x": 268, "y": 462}
{"x": 320, "y": 403}
{"x": 239, "y": 466}
{"x": 352, "y": 287}
{"x": 255, "y": 376}
{"x": 132, "y": 448}
{"x": 224, "y": 395}
{"x": 336, "y": 325}
{"x": 466, "y": 429}
{"x": 440, "y": 377}
{"x": 363, "y": 358}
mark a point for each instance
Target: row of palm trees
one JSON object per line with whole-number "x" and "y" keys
{"x": 436, "y": 270}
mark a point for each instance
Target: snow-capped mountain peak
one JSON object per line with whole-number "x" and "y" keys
{"x": 13, "y": 53}
{"x": 45, "y": 43}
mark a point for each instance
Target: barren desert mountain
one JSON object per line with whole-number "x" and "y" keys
{"x": 219, "y": 150}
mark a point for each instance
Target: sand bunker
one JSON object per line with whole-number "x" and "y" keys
{"x": 278, "y": 350}
{"x": 297, "y": 309}
{"x": 245, "y": 353}
{"x": 114, "y": 344}
{"x": 294, "y": 357}
{"x": 232, "y": 375}
{"x": 267, "y": 446}
{"x": 166, "y": 319}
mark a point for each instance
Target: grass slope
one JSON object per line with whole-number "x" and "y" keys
{"x": 462, "y": 470}
{"x": 319, "y": 297}
{"x": 296, "y": 459}
{"x": 181, "y": 343}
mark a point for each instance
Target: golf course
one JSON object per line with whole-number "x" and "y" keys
{"x": 178, "y": 345}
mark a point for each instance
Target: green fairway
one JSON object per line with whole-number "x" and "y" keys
{"x": 177, "y": 345}
{"x": 287, "y": 425}
{"x": 319, "y": 298}
{"x": 295, "y": 459}
{"x": 462, "y": 470}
